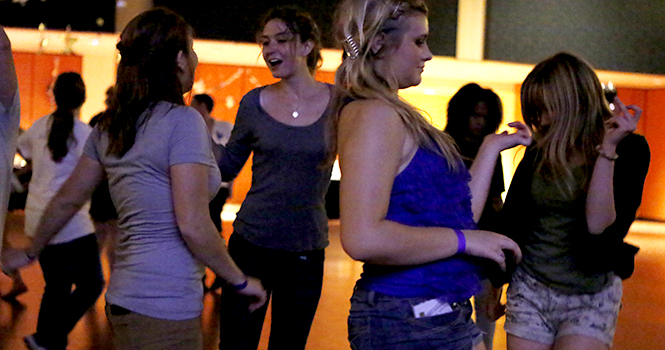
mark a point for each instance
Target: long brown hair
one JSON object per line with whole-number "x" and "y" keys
{"x": 147, "y": 73}
{"x": 566, "y": 90}
{"x": 357, "y": 78}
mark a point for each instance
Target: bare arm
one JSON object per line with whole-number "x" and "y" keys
{"x": 372, "y": 150}
{"x": 190, "y": 194}
{"x": 600, "y": 206}
{"x": 8, "y": 82}
{"x": 483, "y": 165}
{"x": 69, "y": 199}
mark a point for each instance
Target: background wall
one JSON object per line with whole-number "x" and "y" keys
{"x": 613, "y": 35}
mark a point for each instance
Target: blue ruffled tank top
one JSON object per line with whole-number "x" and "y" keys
{"x": 426, "y": 193}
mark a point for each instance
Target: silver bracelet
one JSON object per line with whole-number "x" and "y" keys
{"x": 611, "y": 158}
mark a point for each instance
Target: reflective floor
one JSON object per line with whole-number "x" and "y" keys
{"x": 641, "y": 322}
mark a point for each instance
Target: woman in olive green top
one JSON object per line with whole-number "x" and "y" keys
{"x": 575, "y": 193}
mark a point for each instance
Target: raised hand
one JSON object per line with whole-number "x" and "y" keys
{"x": 623, "y": 122}
{"x": 506, "y": 140}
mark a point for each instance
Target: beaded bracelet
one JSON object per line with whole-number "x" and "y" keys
{"x": 461, "y": 241}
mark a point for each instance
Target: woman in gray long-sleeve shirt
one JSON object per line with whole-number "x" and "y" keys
{"x": 281, "y": 230}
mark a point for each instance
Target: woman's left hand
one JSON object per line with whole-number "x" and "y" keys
{"x": 621, "y": 124}
{"x": 14, "y": 259}
{"x": 505, "y": 140}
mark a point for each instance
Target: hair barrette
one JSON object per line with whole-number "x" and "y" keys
{"x": 351, "y": 47}
{"x": 396, "y": 11}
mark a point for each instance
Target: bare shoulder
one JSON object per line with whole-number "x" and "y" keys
{"x": 373, "y": 115}
{"x": 372, "y": 127}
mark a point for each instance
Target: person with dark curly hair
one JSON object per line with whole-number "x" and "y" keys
{"x": 473, "y": 113}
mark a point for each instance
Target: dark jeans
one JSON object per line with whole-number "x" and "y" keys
{"x": 74, "y": 263}
{"x": 293, "y": 279}
{"x": 378, "y": 321}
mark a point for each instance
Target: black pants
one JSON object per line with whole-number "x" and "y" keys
{"x": 74, "y": 263}
{"x": 216, "y": 205}
{"x": 293, "y": 279}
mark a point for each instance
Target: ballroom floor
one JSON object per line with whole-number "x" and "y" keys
{"x": 641, "y": 322}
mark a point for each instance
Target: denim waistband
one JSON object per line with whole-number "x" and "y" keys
{"x": 372, "y": 297}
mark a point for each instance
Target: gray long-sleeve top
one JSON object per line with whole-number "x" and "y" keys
{"x": 285, "y": 206}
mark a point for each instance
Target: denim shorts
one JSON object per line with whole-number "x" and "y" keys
{"x": 379, "y": 321}
{"x": 539, "y": 313}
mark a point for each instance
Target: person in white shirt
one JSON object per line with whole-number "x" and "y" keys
{"x": 55, "y": 143}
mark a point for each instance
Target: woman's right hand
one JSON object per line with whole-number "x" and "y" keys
{"x": 490, "y": 245}
{"x": 255, "y": 292}
{"x": 506, "y": 140}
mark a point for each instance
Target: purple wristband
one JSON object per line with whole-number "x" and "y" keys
{"x": 241, "y": 286}
{"x": 461, "y": 241}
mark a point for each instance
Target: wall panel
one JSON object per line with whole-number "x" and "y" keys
{"x": 36, "y": 75}
{"x": 653, "y": 203}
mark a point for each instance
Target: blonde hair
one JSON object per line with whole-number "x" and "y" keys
{"x": 566, "y": 90}
{"x": 357, "y": 23}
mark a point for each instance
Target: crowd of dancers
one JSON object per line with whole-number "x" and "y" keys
{"x": 421, "y": 207}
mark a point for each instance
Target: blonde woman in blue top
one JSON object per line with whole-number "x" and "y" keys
{"x": 408, "y": 205}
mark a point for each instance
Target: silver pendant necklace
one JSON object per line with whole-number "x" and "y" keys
{"x": 295, "y": 113}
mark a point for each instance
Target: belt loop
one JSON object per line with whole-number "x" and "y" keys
{"x": 370, "y": 298}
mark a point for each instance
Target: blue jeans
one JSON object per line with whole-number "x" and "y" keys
{"x": 378, "y": 321}
{"x": 75, "y": 263}
{"x": 293, "y": 279}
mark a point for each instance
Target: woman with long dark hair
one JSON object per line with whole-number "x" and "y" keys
{"x": 156, "y": 154}
{"x": 281, "y": 229}
{"x": 54, "y": 144}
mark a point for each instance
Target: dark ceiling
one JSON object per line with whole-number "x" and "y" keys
{"x": 230, "y": 20}
{"x": 80, "y": 15}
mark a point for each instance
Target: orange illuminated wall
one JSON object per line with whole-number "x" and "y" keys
{"x": 653, "y": 202}
{"x": 227, "y": 85}
{"x": 638, "y": 97}
{"x": 36, "y": 73}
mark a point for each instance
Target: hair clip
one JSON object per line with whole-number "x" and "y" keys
{"x": 396, "y": 12}
{"x": 351, "y": 47}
